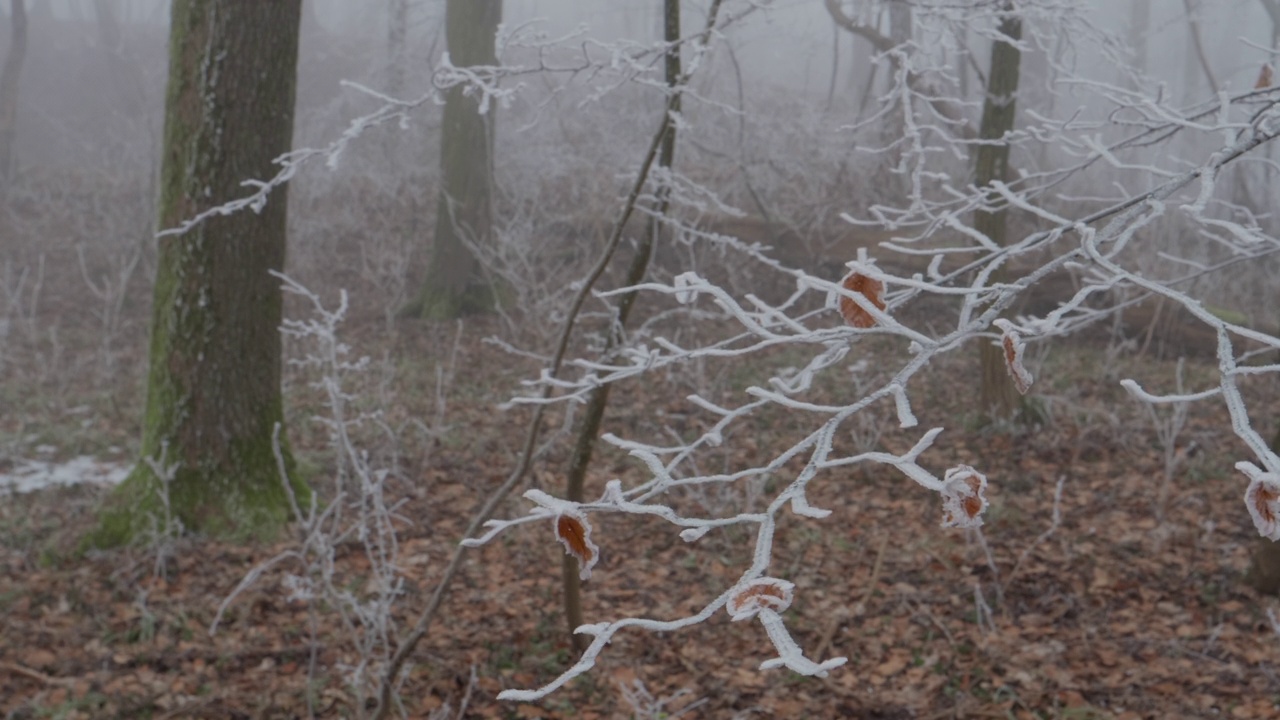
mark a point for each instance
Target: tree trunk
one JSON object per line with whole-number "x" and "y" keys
{"x": 213, "y": 390}
{"x": 901, "y": 28}
{"x": 1139, "y": 30}
{"x": 454, "y": 284}
{"x": 598, "y": 401}
{"x": 108, "y": 25}
{"x": 1193, "y": 28}
{"x": 999, "y": 398}
{"x": 397, "y": 27}
{"x": 10, "y": 76}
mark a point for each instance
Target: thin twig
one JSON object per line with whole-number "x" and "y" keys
{"x": 1053, "y": 527}
{"x": 36, "y": 675}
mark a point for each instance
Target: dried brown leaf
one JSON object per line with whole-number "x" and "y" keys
{"x": 1013, "y": 350}
{"x": 869, "y": 288}
{"x": 759, "y": 594}
{"x": 574, "y": 532}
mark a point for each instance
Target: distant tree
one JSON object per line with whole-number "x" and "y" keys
{"x": 1139, "y": 29}
{"x": 213, "y": 390}
{"x": 1193, "y": 31}
{"x": 454, "y": 283}
{"x": 10, "y": 76}
{"x": 1273, "y": 11}
{"x": 397, "y": 27}
{"x": 998, "y": 396}
{"x": 108, "y": 24}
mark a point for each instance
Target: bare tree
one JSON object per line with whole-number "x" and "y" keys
{"x": 1193, "y": 29}
{"x": 10, "y": 76}
{"x": 1139, "y": 29}
{"x": 397, "y": 49}
{"x": 999, "y": 396}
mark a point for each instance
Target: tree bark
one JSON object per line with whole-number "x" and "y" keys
{"x": 1139, "y": 30}
{"x": 397, "y": 53}
{"x": 1193, "y": 28}
{"x": 999, "y": 398}
{"x": 213, "y": 388}
{"x": 10, "y": 76}
{"x": 454, "y": 284}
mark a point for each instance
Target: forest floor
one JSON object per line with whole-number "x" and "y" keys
{"x": 1123, "y": 607}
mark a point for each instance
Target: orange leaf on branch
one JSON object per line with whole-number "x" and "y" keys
{"x": 574, "y": 532}
{"x": 1263, "y": 499}
{"x": 1013, "y": 352}
{"x": 867, "y": 287}
{"x": 766, "y": 593}
{"x": 963, "y": 497}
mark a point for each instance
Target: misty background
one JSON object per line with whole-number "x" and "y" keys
{"x": 772, "y": 131}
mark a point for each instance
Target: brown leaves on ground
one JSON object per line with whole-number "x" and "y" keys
{"x": 1113, "y": 615}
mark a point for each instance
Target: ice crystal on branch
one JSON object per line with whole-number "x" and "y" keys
{"x": 766, "y": 598}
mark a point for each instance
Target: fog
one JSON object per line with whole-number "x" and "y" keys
{"x": 793, "y": 123}
{"x": 78, "y": 93}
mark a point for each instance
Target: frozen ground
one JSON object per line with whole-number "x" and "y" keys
{"x": 28, "y": 475}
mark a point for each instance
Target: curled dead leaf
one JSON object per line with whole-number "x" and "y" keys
{"x": 760, "y": 594}
{"x": 1013, "y": 351}
{"x": 1263, "y": 500}
{"x": 574, "y": 532}
{"x": 963, "y": 497}
{"x": 869, "y": 288}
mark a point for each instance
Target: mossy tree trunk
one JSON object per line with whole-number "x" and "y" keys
{"x": 213, "y": 389}
{"x": 998, "y": 398}
{"x": 10, "y": 76}
{"x": 454, "y": 284}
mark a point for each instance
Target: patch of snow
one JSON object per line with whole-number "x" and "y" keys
{"x": 28, "y": 475}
